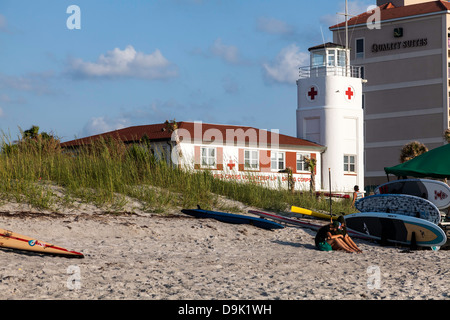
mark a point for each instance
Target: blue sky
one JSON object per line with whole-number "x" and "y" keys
{"x": 144, "y": 61}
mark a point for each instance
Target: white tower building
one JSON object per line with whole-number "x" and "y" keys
{"x": 330, "y": 113}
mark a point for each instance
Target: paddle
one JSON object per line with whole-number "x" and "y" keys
{"x": 329, "y": 181}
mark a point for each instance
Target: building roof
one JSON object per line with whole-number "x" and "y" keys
{"x": 389, "y": 12}
{"x": 230, "y": 134}
{"x": 327, "y": 45}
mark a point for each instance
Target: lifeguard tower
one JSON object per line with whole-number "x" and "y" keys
{"x": 330, "y": 112}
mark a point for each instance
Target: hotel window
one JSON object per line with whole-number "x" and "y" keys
{"x": 208, "y": 157}
{"x": 360, "y": 48}
{"x": 349, "y": 163}
{"x": 301, "y": 164}
{"x": 251, "y": 160}
{"x": 277, "y": 160}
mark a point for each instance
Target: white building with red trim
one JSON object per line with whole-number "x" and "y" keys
{"x": 232, "y": 153}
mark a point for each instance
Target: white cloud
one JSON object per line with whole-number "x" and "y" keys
{"x": 228, "y": 53}
{"x": 274, "y": 26}
{"x": 284, "y": 69}
{"x": 355, "y": 7}
{"x": 154, "y": 112}
{"x": 125, "y": 63}
{"x": 99, "y": 125}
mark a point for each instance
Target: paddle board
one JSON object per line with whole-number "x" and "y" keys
{"x": 313, "y": 213}
{"x": 299, "y": 223}
{"x": 396, "y": 228}
{"x": 233, "y": 218}
{"x": 287, "y": 220}
{"x": 435, "y": 191}
{"x": 12, "y": 240}
{"x": 400, "y": 204}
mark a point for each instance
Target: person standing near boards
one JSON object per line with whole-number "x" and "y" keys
{"x": 356, "y": 195}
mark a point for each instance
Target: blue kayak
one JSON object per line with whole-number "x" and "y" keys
{"x": 233, "y": 218}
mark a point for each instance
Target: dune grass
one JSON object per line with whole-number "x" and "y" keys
{"x": 109, "y": 172}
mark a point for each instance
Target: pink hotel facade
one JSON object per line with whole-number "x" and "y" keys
{"x": 406, "y": 63}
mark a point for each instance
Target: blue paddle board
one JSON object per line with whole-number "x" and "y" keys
{"x": 400, "y": 204}
{"x": 233, "y": 218}
{"x": 396, "y": 228}
{"x": 432, "y": 190}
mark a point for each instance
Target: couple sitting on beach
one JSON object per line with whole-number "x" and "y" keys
{"x": 334, "y": 236}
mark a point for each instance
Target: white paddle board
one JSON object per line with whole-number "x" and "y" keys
{"x": 435, "y": 191}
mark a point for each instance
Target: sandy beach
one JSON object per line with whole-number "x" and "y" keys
{"x": 144, "y": 256}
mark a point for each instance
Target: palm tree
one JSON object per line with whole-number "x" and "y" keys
{"x": 447, "y": 135}
{"x": 412, "y": 150}
{"x": 311, "y": 164}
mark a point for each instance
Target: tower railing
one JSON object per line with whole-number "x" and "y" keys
{"x": 324, "y": 70}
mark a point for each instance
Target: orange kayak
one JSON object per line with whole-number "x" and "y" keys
{"x": 12, "y": 240}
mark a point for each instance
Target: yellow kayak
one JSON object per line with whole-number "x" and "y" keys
{"x": 313, "y": 213}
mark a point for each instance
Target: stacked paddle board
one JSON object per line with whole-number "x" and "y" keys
{"x": 400, "y": 204}
{"x": 396, "y": 228}
{"x": 403, "y": 211}
{"x": 435, "y": 191}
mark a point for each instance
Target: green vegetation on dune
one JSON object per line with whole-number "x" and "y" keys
{"x": 109, "y": 172}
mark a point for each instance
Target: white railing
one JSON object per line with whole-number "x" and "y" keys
{"x": 322, "y": 71}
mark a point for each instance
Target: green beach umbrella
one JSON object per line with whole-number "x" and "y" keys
{"x": 432, "y": 164}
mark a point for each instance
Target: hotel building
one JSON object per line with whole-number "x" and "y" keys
{"x": 405, "y": 58}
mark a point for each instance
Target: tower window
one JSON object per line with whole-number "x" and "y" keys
{"x": 349, "y": 163}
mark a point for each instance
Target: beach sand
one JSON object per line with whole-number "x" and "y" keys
{"x": 147, "y": 256}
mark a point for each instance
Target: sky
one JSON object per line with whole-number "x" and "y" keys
{"x": 110, "y": 64}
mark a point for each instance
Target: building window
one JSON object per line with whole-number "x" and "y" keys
{"x": 208, "y": 157}
{"x": 342, "y": 58}
{"x": 301, "y": 164}
{"x": 331, "y": 58}
{"x": 318, "y": 59}
{"x": 277, "y": 160}
{"x": 251, "y": 160}
{"x": 359, "y": 48}
{"x": 349, "y": 163}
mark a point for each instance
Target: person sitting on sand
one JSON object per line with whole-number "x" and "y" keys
{"x": 327, "y": 238}
{"x": 342, "y": 230}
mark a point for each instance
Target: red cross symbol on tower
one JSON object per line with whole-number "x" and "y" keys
{"x": 312, "y": 93}
{"x": 231, "y": 165}
{"x": 349, "y": 93}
